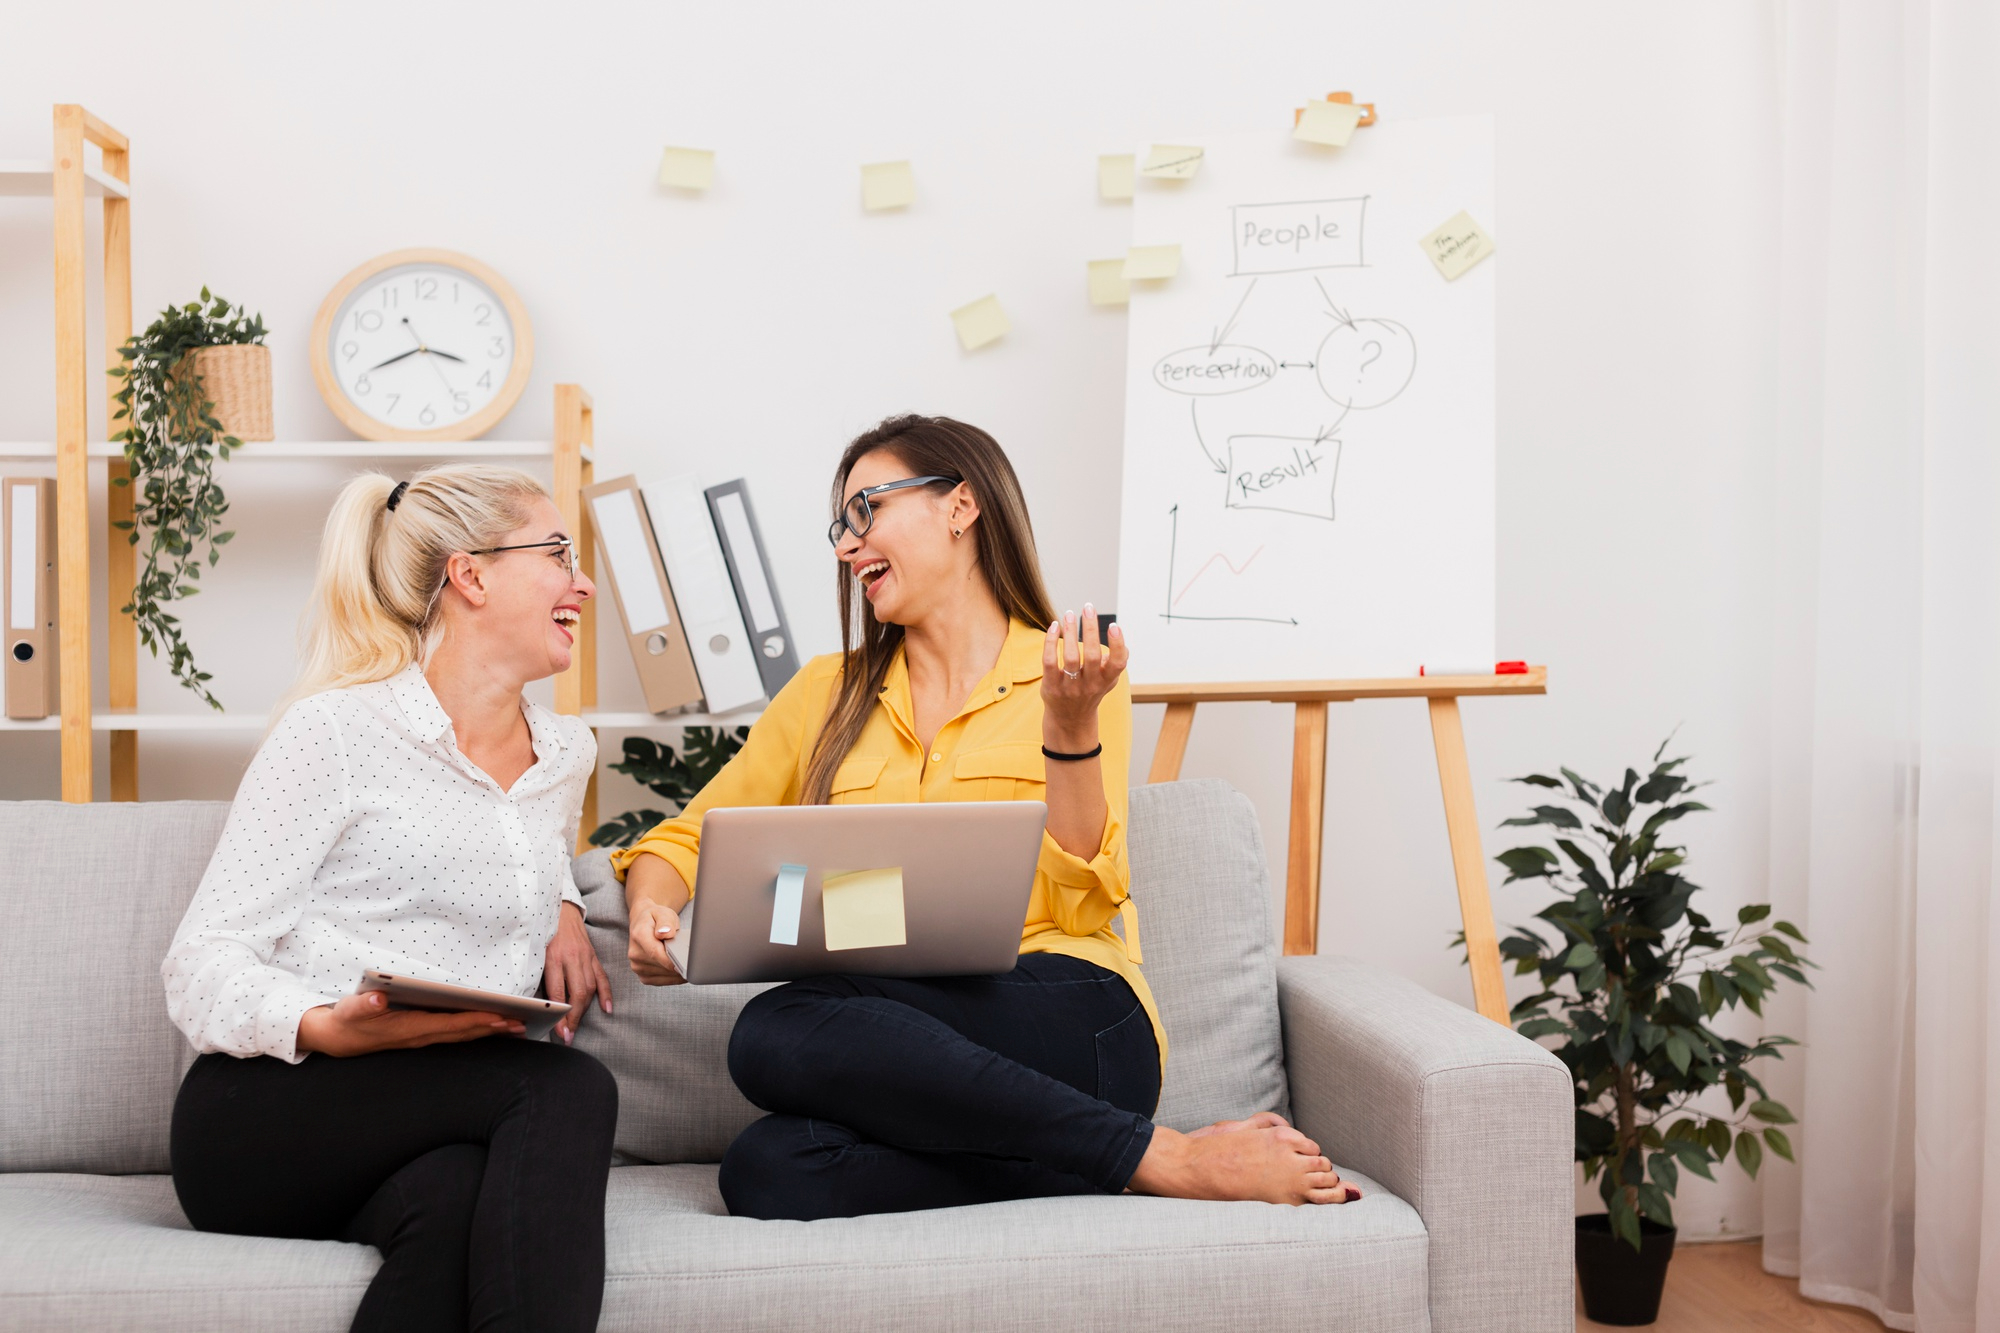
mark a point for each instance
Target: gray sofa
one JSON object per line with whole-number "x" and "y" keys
{"x": 1458, "y": 1130}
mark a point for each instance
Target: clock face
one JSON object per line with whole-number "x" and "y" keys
{"x": 421, "y": 347}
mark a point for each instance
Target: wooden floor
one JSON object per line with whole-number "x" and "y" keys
{"x": 1724, "y": 1289}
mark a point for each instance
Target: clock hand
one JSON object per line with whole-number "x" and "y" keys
{"x": 446, "y": 355}
{"x": 394, "y": 359}
{"x": 432, "y": 350}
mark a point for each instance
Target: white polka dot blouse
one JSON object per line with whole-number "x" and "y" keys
{"x": 361, "y": 837}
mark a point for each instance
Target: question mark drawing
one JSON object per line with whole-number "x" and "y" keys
{"x": 1374, "y": 350}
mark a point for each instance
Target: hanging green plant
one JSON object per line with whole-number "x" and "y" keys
{"x": 172, "y": 442}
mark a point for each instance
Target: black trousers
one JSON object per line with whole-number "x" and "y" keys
{"x": 891, "y": 1094}
{"x": 477, "y": 1169}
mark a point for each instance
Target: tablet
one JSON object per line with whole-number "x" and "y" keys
{"x": 441, "y": 997}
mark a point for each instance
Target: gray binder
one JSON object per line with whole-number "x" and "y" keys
{"x": 756, "y": 591}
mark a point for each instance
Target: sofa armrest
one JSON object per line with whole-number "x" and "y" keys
{"x": 1469, "y": 1122}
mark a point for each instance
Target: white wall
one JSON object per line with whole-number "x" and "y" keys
{"x": 753, "y": 330}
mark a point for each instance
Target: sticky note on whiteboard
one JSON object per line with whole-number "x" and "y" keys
{"x": 1114, "y": 175}
{"x": 687, "y": 168}
{"x": 786, "y": 904}
{"x": 980, "y": 322}
{"x": 1457, "y": 245}
{"x": 1171, "y": 162}
{"x": 863, "y": 908}
{"x": 1152, "y": 261}
{"x": 1329, "y": 123}
{"x": 887, "y": 185}
{"x": 1107, "y": 282}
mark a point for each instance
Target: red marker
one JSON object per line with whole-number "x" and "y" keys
{"x": 1499, "y": 669}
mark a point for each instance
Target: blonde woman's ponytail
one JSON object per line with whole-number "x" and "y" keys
{"x": 375, "y": 598}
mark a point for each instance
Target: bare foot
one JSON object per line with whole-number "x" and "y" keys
{"x": 1261, "y": 1158}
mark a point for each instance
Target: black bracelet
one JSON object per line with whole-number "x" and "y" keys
{"x": 1091, "y": 753}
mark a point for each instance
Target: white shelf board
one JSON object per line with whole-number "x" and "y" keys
{"x": 281, "y": 451}
{"x": 742, "y": 717}
{"x": 37, "y": 176}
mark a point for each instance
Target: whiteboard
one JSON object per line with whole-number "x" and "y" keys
{"x": 1309, "y": 440}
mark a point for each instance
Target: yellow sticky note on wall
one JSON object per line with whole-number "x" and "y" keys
{"x": 1107, "y": 282}
{"x": 1457, "y": 245}
{"x": 1152, "y": 261}
{"x": 863, "y": 908}
{"x": 1171, "y": 162}
{"x": 688, "y": 168}
{"x": 980, "y": 322}
{"x": 887, "y": 185}
{"x": 1114, "y": 175}
{"x": 1329, "y": 123}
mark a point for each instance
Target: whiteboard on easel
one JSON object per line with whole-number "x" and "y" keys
{"x": 1309, "y": 438}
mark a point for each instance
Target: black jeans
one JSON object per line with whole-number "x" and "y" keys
{"x": 889, "y": 1094}
{"x": 477, "y": 1169}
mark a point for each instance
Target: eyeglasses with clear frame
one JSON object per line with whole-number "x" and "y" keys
{"x": 858, "y": 515}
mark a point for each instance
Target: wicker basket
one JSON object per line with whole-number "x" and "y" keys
{"x": 237, "y": 379}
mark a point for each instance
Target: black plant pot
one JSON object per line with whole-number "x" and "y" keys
{"x": 1621, "y": 1285}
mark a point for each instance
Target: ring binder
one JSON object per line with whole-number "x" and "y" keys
{"x": 756, "y": 593}
{"x": 644, "y": 594}
{"x": 28, "y": 505}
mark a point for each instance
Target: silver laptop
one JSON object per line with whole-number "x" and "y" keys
{"x": 777, "y": 885}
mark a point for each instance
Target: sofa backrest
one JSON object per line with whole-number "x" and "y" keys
{"x": 90, "y": 897}
{"x": 89, "y": 1063}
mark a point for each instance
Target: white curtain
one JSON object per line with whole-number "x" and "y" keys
{"x": 1886, "y": 656}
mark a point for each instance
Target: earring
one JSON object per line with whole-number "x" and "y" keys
{"x": 956, "y": 533}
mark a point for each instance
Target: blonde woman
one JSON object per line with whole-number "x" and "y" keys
{"x": 959, "y": 683}
{"x": 410, "y": 811}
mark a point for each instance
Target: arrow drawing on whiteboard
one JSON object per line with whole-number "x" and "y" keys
{"x": 1219, "y": 336}
{"x": 1194, "y": 415}
{"x": 1173, "y": 545}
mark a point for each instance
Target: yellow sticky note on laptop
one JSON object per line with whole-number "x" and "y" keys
{"x": 863, "y": 908}
{"x": 1457, "y": 245}
{"x": 1114, "y": 175}
{"x": 688, "y": 168}
{"x": 980, "y": 322}
{"x": 1330, "y": 123}
{"x": 1107, "y": 282}
{"x": 887, "y": 185}
{"x": 1152, "y": 261}
{"x": 1171, "y": 162}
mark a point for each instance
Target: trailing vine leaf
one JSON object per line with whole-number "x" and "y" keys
{"x": 1630, "y": 975}
{"x": 172, "y": 442}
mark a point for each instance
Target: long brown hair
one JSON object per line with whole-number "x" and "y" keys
{"x": 1003, "y": 540}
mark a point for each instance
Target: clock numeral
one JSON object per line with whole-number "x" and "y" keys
{"x": 498, "y": 347}
{"x": 427, "y": 416}
{"x": 350, "y": 349}
{"x": 363, "y": 387}
{"x": 460, "y": 402}
{"x": 367, "y": 321}
{"x": 454, "y": 293}
{"x": 484, "y": 313}
{"x": 426, "y": 289}
{"x": 394, "y": 398}
{"x": 485, "y": 380}
{"x": 389, "y": 297}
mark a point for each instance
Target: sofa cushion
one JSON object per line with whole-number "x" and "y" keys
{"x": 86, "y": 1251}
{"x": 90, "y": 897}
{"x": 1204, "y": 900}
{"x": 668, "y": 1046}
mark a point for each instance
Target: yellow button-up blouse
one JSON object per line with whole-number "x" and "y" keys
{"x": 990, "y": 751}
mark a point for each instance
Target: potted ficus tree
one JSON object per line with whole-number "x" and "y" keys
{"x": 197, "y": 384}
{"x": 1631, "y": 976}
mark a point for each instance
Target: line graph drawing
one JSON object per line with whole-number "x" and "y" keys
{"x": 1173, "y": 556}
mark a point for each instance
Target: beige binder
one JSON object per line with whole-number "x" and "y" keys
{"x": 28, "y": 518}
{"x": 638, "y": 577}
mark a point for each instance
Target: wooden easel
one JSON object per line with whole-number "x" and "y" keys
{"x": 1309, "y": 699}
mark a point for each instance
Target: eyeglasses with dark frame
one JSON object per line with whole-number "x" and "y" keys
{"x": 858, "y": 515}
{"x": 567, "y": 544}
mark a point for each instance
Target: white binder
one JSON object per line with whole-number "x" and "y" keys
{"x": 715, "y": 634}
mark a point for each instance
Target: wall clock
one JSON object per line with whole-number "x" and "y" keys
{"x": 421, "y": 345}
